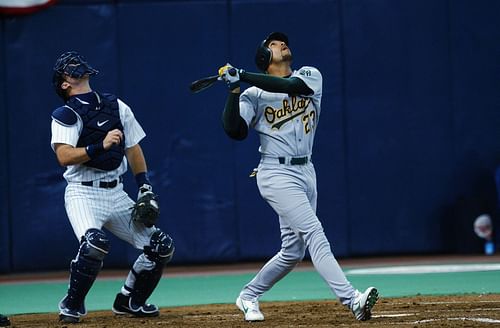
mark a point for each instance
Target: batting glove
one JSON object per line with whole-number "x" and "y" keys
{"x": 230, "y": 75}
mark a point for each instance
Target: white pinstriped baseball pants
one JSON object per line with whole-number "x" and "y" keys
{"x": 93, "y": 207}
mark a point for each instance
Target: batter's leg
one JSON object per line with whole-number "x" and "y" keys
{"x": 287, "y": 195}
{"x": 292, "y": 252}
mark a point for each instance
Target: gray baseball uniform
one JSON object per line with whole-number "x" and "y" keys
{"x": 286, "y": 179}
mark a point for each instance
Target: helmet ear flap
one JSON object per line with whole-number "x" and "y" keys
{"x": 57, "y": 80}
{"x": 263, "y": 56}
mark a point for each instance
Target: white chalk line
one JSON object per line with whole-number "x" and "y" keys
{"x": 446, "y": 302}
{"x": 395, "y": 314}
{"x": 482, "y": 320}
{"x": 211, "y": 315}
{"x": 422, "y": 269}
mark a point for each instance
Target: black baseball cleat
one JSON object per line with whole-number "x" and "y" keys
{"x": 4, "y": 321}
{"x": 68, "y": 318}
{"x": 69, "y": 315}
{"x": 125, "y": 305}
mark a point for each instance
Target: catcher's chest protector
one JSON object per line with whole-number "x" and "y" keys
{"x": 98, "y": 120}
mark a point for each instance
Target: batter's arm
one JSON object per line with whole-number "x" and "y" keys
{"x": 293, "y": 85}
{"x": 234, "y": 125}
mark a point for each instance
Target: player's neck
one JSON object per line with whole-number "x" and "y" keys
{"x": 80, "y": 88}
{"x": 280, "y": 70}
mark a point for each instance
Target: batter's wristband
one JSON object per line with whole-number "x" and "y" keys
{"x": 95, "y": 150}
{"x": 142, "y": 178}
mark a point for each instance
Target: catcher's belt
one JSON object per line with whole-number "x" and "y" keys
{"x": 103, "y": 184}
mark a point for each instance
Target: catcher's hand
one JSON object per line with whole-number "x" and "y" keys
{"x": 146, "y": 210}
{"x": 144, "y": 189}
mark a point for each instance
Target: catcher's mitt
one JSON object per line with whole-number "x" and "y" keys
{"x": 146, "y": 210}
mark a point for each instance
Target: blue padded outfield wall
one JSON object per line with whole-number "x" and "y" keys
{"x": 406, "y": 150}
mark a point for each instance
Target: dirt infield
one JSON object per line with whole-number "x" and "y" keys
{"x": 450, "y": 311}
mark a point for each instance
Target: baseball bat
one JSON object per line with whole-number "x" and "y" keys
{"x": 207, "y": 82}
{"x": 203, "y": 83}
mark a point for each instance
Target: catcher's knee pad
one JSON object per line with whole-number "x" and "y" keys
{"x": 94, "y": 245}
{"x": 160, "y": 249}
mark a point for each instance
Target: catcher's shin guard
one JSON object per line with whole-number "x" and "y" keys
{"x": 148, "y": 268}
{"x": 85, "y": 268}
{"x": 145, "y": 283}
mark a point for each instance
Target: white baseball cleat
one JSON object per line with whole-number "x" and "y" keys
{"x": 250, "y": 309}
{"x": 363, "y": 303}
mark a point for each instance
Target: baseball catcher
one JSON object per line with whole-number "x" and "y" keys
{"x": 96, "y": 137}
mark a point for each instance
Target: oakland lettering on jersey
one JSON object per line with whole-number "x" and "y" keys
{"x": 290, "y": 110}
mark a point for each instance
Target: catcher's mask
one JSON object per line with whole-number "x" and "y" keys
{"x": 264, "y": 55}
{"x": 72, "y": 64}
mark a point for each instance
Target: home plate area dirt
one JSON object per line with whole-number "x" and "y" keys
{"x": 421, "y": 311}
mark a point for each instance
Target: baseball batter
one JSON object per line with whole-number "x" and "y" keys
{"x": 284, "y": 107}
{"x": 93, "y": 136}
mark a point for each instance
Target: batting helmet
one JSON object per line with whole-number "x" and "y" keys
{"x": 72, "y": 64}
{"x": 264, "y": 55}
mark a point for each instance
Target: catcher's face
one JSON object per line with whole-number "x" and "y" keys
{"x": 70, "y": 83}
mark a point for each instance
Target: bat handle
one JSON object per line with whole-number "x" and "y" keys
{"x": 232, "y": 71}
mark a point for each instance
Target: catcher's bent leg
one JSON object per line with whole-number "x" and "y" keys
{"x": 144, "y": 277}
{"x": 83, "y": 272}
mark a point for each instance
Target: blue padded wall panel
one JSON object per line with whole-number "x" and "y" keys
{"x": 474, "y": 47}
{"x": 163, "y": 47}
{"x": 476, "y": 101}
{"x": 5, "y": 238}
{"x": 398, "y": 123}
{"x": 38, "y": 208}
{"x": 405, "y": 151}
{"x": 316, "y": 44}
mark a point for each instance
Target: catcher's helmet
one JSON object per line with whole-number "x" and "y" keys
{"x": 72, "y": 64}
{"x": 264, "y": 55}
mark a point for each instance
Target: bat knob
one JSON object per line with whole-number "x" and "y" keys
{"x": 232, "y": 71}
